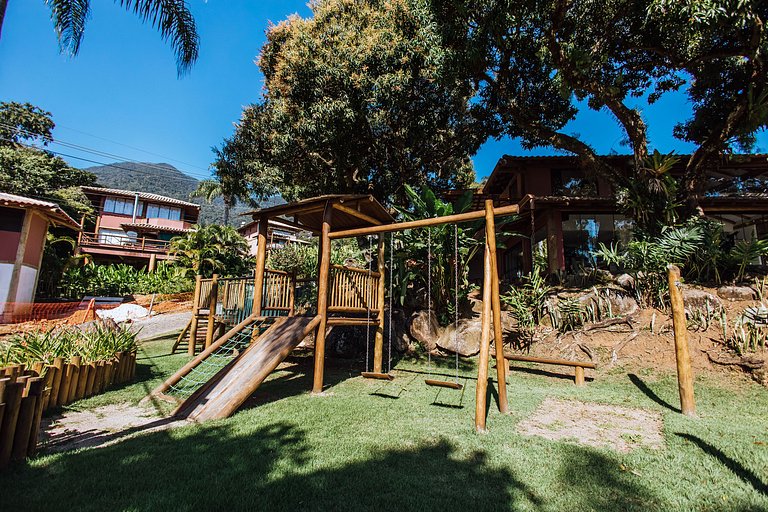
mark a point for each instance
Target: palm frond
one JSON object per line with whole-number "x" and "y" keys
{"x": 69, "y": 19}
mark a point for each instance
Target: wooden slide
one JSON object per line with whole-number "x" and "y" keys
{"x": 232, "y": 385}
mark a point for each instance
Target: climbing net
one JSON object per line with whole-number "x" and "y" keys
{"x": 211, "y": 365}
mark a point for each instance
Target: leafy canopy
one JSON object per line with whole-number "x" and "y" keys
{"x": 29, "y": 171}
{"x": 356, "y": 100}
{"x": 213, "y": 249}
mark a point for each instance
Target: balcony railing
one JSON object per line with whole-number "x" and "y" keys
{"x": 140, "y": 244}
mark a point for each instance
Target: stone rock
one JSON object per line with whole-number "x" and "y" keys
{"x": 348, "y": 341}
{"x": 736, "y": 293}
{"x": 425, "y": 329}
{"x": 466, "y": 341}
{"x": 622, "y": 303}
{"x": 400, "y": 338}
{"x": 695, "y": 298}
{"x": 625, "y": 281}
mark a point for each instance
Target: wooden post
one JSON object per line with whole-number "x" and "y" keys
{"x": 74, "y": 364}
{"x": 26, "y": 419}
{"x": 261, "y": 265}
{"x": 501, "y": 374}
{"x": 58, "y": 367}
{"x": 683, "y": 358}
{"x": 481, "y": 392}
{"x": 66, "y": 379}
{"x": 98, "y": 385}
{"x": 81, "y": 382}
{"x": 292, "y": 294}
{"x": 195, "y": 318}
{"x": 322, "y": 299}
{"x": 152, "y": 262}
{"x": 91, "y": 379}
{"x": 212, "y": 302}
{"x": 13, "y": 392}
{"x": 378, "y": 346}
{"x": 579, "y": 376}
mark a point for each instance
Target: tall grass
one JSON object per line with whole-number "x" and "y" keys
{"x": 95, "y": 343}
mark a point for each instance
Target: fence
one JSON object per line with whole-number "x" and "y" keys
{"x": 25, "y": 393}
{"x": 18, "y": 312}
{"x": 353, "y": 290}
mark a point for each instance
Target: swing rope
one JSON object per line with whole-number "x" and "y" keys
{"x": 368, "y": 307}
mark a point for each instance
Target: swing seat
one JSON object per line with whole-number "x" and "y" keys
{"x": 443, "y": 384}
{"x": 376, "y": 375}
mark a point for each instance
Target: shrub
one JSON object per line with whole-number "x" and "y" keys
{"x": 214, "y": 249}
{"x": 123, "y": 279}
{"x": 92, "y": 344}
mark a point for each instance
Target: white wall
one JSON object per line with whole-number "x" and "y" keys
{"x": 6, "y": 271}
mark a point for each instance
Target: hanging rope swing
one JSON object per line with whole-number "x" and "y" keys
{"x": 373, "y": 374}
{"x": 434, "y": 382}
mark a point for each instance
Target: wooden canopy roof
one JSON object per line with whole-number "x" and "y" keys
{"x": 349, "y": 212}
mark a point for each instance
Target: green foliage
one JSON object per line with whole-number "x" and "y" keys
{"x": 412, "y": 249}
{"x": 95, "y": 343}
{"x": 749, "y": 332}
{"x": 214, "y": 249}
{"x": 36, "y": 173}
{"x": 746, "y": 251}
{"x": 172, "y": 19}
{"x": 301, "y": 258}
{"x": 537, "y": 64}
{"x": 646, "y": 260}
{"x": 356, "y": 100}
{"x": 118, "y": 280}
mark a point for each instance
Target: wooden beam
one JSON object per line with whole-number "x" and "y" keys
{"x": 378, "y": 345}
{"x": 261, "y": 263}
{"x": 213, "y": 299}
{"x": 422, "y": 223}
{"x": 682, "y": 357}
{"x": 481, "y": 391}
{"x": 322, "y": 299}
{"x": 490, "y": 236}
{"x": 357, "y": 214}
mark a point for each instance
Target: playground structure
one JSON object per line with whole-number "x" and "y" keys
{"x": 262, "y": 328}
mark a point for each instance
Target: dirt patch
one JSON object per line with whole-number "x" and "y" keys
{"x": 605, "y": 426}
{"x": 101, "y": 426}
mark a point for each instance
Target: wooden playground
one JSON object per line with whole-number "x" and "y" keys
{"x": 245, "y": 327}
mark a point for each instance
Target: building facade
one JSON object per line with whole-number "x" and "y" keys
{"x": 135, "y": 227}
{"x": 24, "y": 225}
{"x": 278, "y": 234}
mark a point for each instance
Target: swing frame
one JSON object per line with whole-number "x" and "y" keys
{"x": 345, "y": 216}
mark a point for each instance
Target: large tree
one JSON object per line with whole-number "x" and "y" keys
{"x": 31, "y": 171}
{"x": 535, "y": 63}
{"x": 171, "y": 17}
{"x": 355, "y": 100}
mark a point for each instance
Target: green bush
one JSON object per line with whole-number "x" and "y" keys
{"x": 93, "y": 344}
{"x": 214, "y": 249}
{"x": 118, "y": 280}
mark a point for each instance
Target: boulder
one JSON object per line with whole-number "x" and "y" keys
{"x": 626, "y": 281}
{"x": 622, "y": 303}
{"x": 425, "y": 329}
{"x": 695, "y": 298}
{"x": 736, "y": 293}
{"x": 465, "y": 340}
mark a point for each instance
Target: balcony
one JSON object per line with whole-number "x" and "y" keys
{"x": 122, "y": 245}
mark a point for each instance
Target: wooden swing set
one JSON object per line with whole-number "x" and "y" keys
{"x": 264, "y": 327}
{"x": 343, "y": 291}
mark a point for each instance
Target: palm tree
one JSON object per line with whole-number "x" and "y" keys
{"x": 228, "y": 183}
{"x": 171, "y": 17}
{"x": 206, "y": 250}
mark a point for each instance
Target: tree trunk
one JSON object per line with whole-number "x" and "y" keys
{"x": 3, "y": 5}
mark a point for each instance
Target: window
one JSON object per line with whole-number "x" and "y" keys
{"x": 573, "y": 184}
{"x": 112, "y": 236}
{"x": 121, "y": 206}
{"x": 156, "y": 211}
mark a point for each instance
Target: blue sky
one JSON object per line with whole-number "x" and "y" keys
{"x": 121, "y": 95}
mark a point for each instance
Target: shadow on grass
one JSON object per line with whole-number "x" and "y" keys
{"x": 276, "y": 467}
{"x": 546, "y": 373}
{"x": 740, "y": 471}
{"x": 647, "y": 391}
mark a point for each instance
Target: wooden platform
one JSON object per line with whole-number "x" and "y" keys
{"x": 232, "y": 385}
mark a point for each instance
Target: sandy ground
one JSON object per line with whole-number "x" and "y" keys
{"x": 605, "y": 426}
{"x": 101, "y": 426}
{"x": 159, "y": 325}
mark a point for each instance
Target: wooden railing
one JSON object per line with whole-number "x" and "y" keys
{"x": 279, "y": 291}
{"x": 353, "y": 290}
{"x": 124, "y": 242}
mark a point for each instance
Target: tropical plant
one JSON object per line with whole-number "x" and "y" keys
{"x": 171, "y": 17}
{"x": 213, "y": 249}
{"x": 528, "y": 301}
{"x": 95, "y": 343}
{"x": 746, "y": 251}
{"x": 646, "y": 260}
{"x": 121, "y": 279}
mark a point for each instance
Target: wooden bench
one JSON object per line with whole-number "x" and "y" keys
{"x": 578, "y": 365}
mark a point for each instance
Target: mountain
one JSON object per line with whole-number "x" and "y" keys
{"x": 166, "y": 180}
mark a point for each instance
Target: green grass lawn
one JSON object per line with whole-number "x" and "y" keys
{"x": 369, "y": 445}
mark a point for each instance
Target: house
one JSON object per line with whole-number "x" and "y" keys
{"x": 278, "y": 234}
{"x": 569, "y": 211}
{"x": 24, "y": 224}
{"x": 135, "y": 227}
